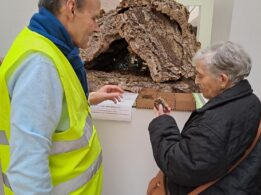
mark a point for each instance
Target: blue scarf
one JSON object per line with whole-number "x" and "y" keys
{"x": 46, "y": 24}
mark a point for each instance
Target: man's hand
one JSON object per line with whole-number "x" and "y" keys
{"x": 107, "y": 92}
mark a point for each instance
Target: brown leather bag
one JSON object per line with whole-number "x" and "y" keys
{"x": 157, "y": 184}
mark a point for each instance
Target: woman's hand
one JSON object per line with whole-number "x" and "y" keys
{"x": 160, "y": 110}
{"x": 107, "y": 92}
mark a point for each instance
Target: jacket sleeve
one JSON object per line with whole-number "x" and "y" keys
{"x": 36, "y": 104}
{"x": 188, "y": 159}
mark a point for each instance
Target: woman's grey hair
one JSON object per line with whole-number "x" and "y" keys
{"x": 226, "y": 57}
{"x": 54, "y": 6}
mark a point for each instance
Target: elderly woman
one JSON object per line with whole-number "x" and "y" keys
{"x": 216, "y": 135}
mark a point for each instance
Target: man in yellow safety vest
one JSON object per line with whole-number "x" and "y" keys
{"x": 48, "y": 144}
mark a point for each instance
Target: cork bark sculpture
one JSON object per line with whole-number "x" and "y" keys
{"x": 143, "y": 43}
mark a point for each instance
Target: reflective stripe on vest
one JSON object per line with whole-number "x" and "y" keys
{"x": 3, "y": 177}
{"x": 1, "y": 186}
{"x": 61, "y": 147}
{"x": 6, "y": 181}
{"x": 3, "y": 181}
{"x": 3, "y": 138}
{"x": 67, "y": 146}
{"x": 73, "y": 184}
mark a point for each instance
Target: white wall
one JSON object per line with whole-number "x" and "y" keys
{"x": 14, "y": 15}
{"x": 127, "y": 154}
{"x": 222, "y": 16}
{"x": 246, "y": 30}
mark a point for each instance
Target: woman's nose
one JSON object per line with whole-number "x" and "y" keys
{"x": 196, "y": 80}
{"x": 97, "y": 28}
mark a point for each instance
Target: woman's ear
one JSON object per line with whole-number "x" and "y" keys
{"x": 224, "y": 81}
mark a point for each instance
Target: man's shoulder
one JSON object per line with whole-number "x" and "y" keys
{"x": 37, "y": 58}
{"x": 34, "y": 67}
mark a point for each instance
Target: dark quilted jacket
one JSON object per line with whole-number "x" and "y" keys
{"x": 212, "y": 140}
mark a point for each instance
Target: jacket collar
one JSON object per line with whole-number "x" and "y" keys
{"x": 239, "y": 90}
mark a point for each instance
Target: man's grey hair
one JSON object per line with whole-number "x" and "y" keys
{"x": 225, "y": 57}
{"x": 54, "y": 6}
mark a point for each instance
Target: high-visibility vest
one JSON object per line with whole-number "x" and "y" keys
{"x": 76, "y": 155}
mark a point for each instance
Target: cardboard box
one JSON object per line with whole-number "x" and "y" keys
{"x": 176, "y": 101}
